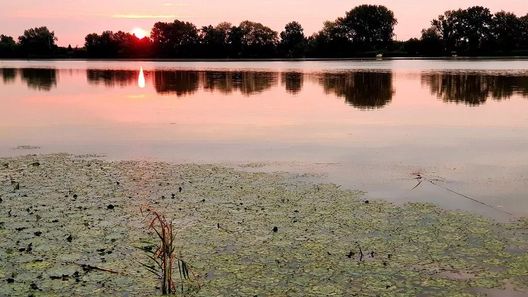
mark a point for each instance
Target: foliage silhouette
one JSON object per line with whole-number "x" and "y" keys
{"x": 366, "y": 30}
{"x": 39, "y": 42}
{"x": 475, "y": 31}
{"x": 293, "y": 42}
{"x": 8, "y": 46}
{"x": 176, "y": 39}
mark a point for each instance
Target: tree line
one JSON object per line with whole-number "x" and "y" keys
{"x": 366, "y": 30}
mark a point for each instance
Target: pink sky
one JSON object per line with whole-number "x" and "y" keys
{"x": 72, "y": 20}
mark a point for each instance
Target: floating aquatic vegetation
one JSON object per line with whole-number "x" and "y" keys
{"x": 246, "y": 233}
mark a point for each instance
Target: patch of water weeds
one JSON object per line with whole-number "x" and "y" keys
{"x": 245, "y": 233}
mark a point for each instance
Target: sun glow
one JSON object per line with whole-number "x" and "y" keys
{"x": 139, "y": 32}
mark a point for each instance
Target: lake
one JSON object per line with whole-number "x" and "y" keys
{"x": 451, "y": 132}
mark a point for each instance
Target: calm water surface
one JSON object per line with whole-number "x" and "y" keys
{"x": 367, "y": 125}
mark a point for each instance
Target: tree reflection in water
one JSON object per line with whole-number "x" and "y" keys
{"x": 474, "y": 89}
{"x": 364, "y": 90}
{"x": 247, "y": 82}
{"x": 112, "y": 78}
{"x": 292, "y": 81}
{"x": 176, "y": 82}
{"x": 40, "y": 79}
{"x": 8, "y": 75}
{"x": 361, "y": 89}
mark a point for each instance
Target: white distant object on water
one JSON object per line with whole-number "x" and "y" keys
{"x": 141, "y": 78}
{"x": 379, "y": 56}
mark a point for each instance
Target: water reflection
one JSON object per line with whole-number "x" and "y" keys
{"x": 40, "y": 79}
{"x": 141, "y": 79}
{"x": 8, "y": 75}
{"x": 247, "y": 82}
{"x": 364, "y": 90}
{"x": 176, "y": 82}
{"x": 112, "y": 78}
{"x": 292, "y": 81}
{"x": 474, "y": 89}
{"x": 361, "y": 89}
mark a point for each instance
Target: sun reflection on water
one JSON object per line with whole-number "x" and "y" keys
{"x": 141, "y": 78}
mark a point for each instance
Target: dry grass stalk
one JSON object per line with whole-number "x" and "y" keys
{"x": 164, "y": 255}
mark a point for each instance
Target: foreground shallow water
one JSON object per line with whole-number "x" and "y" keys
{"x": 369, "y": 125}
{"x": 244, "y": 234}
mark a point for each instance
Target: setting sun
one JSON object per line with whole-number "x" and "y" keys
{"x": 139, "y": 32}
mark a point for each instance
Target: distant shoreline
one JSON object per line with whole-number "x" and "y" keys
{"x": 472, "y": 58}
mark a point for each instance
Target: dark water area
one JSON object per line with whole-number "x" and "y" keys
{"x": 455, "y": 128}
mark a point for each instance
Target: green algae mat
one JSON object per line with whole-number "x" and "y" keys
{"x": 72, "y": 226}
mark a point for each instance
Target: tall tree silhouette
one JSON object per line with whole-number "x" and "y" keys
{"x": 370, "y": 27}
{"x": 38, "y": 42}
{"x": 506, "y": 30}
{"x": 255, "y": 40}
{"x": 176, "y": 39}
{"x": 364, "y": 28}
{"x": 214, "y": 41}
{"x": 293, "y": 42}
{"x": 466, "y": 31}
{"x": 8, "y": 46}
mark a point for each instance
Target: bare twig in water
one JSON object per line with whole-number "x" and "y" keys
{"x": 422, "y": 178}
{"x": 88, "y": 267}
{"x": 360, "y": 252}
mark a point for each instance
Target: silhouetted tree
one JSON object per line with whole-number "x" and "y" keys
{"x": 293, "y": 42}
{"x": 254, "y": 39}
{"x": 431, "y": 42}
{"x": 214, "y": 40}
{"x": 101, "y": 46}
{"x": 413, "y": 46}
{"x": 370, "y": 27}
{"x": 331, "y": 41}
{"x": 176, "y": 39}
{"x": 364, "y": 28}
{"x": 523, "y": 38}
{"x": 117, "y": 45}
{"x": 38, "y": 42}
{"x": 506, "y": 31}
{"x": 466, "y": 31}
{"x": 8, "y": 46}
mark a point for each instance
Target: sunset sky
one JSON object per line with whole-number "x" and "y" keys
{"x": 72, "y": 20}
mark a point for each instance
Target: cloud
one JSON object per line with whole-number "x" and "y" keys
{"x": 145, "y": 16}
